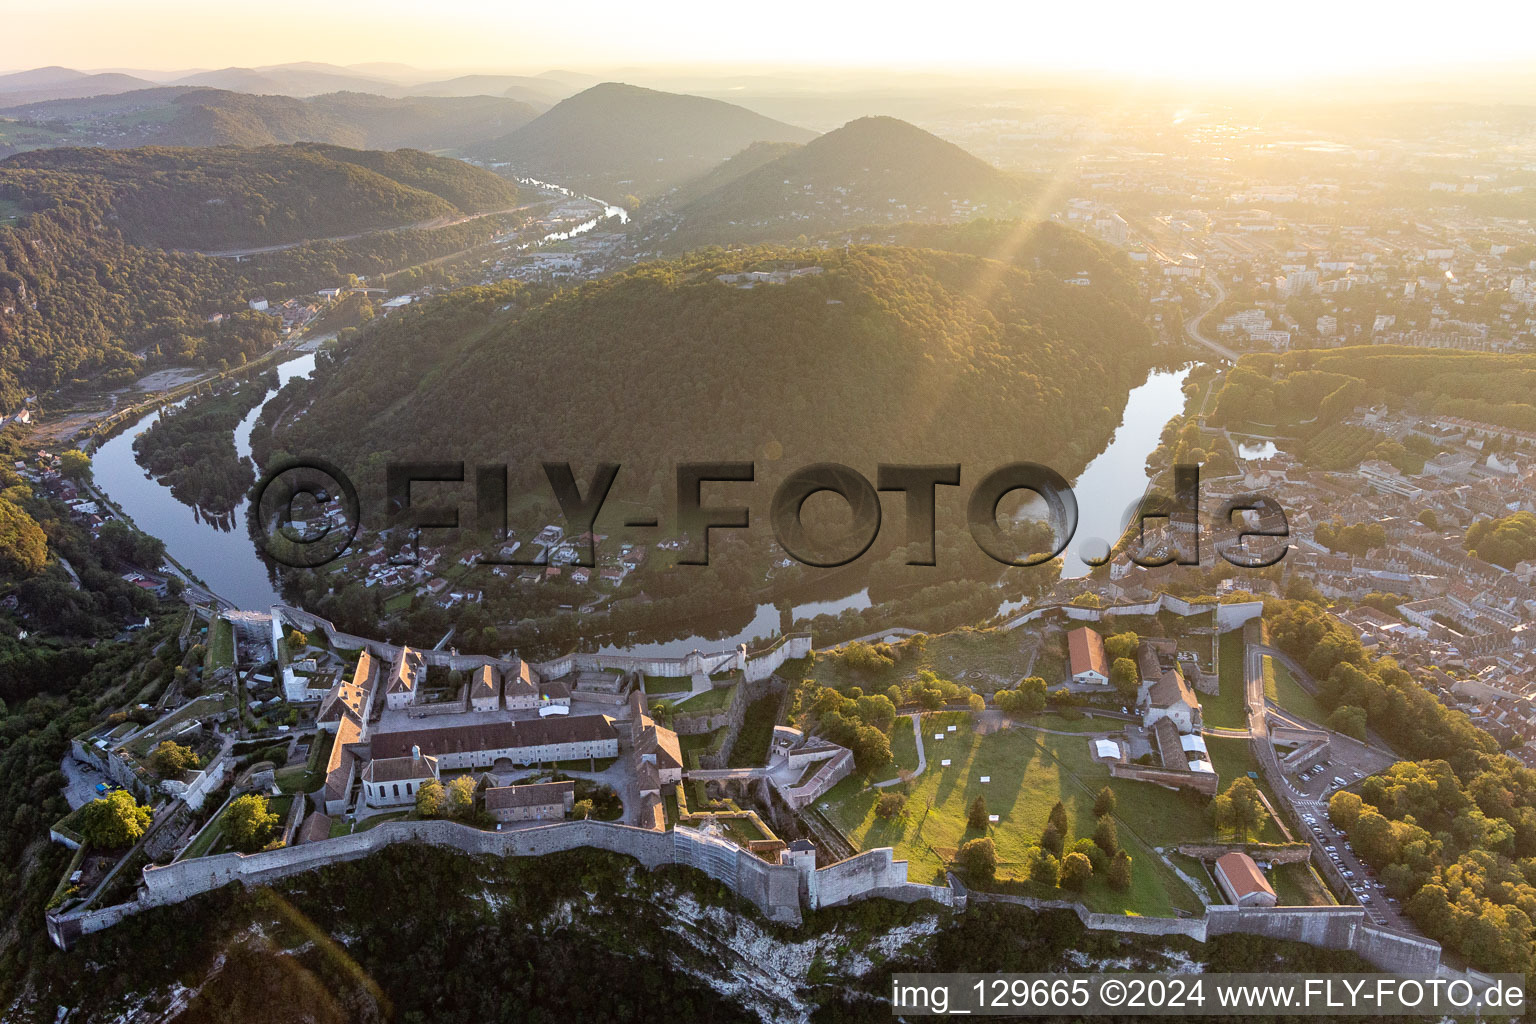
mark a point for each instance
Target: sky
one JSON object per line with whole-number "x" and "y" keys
{"x": 1241, "y": 40}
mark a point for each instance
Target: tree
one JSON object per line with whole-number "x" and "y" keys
{"x": 1106, "y": 836}
{"x": 978, "y": 859}
{"x": 75, "y": 464}
{"x": 1058, "y": 818}
{"x": 115, "y": 821}
{"x": 1349, "y": 720}
{"x": 581, "y": 810}
{"x": 1240, "y": 809}
{"x": 1027, "y": 699}
{"x": 1052, "y": 841}
{"x": 1076, "y": 869}
{"x": 23, "y": 545}
{"x": 431, "y": 799}
{"x": 871, "y": 749}
{"x": 461, "y": 797}
{"x": 249, "y": 822}
{"x": 1121, "y": 645}
{"x": 1344, "y": 809}
{"x": 890, "y": 804}
{"x": 297, "y": 641}
{"x": 1125, "y": 676}
{"x": 1120, "y": 871}
{"x": 171, "y": 760}
{"x": 1045, "y": 869}
{"x": 1104, "y": 803}
{"x": 977, "y": 817}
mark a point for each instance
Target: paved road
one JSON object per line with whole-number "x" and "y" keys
{"x": 1192, "y": 325}
{"x": 425, "y": 225}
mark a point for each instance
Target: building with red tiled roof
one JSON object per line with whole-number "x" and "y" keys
{"x": 1242, "y": 881}
{"x": 1085, "y": 649}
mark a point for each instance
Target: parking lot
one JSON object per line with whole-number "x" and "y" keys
{"x": 1334, "y": 848}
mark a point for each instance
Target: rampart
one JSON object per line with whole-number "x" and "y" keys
{"x": 1228, "y": 616}
{"x": 1208, "y": 783}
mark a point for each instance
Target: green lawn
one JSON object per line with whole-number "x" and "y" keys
{"x": 1226, "y": 710}
{"x": 756, "y": 734}
{"x": 1234, "y": 758}
{"x": 667, "y": 684}
{"x": 1297, "y": 885}
{"x": 1029, "y": 771}
{"x": 221, "y": 646}
{"x": 903, "y": 750}
{"x": 1281, "y": 687}
{"x": 712, "y": 700}
{"x": 982, "y": 659}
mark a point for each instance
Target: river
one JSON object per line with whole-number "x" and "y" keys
{"x": 222, "y": 558}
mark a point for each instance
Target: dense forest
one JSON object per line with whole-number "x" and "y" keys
{"x": 1453, "y": 829}
{"x": 614, "y": 139}
{"x": 229, "y": 197}
{"x": 873, "y": 169}
{"x": 886, "y": 354}
{"x": 79, "y": 300}
{"x": 187, "y": 116}
{"x": 192, "y": 449}
{"x": 1312, "y": 389}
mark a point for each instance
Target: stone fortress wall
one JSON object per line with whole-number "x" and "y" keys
{"x": 755, "y": 664}
{"x": 1228, "y": 616}
{"x": 780, "y": 891}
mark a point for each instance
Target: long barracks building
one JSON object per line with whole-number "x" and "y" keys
{"x": 534, "y": 741}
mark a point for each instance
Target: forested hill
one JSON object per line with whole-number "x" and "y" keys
{"x": 871, "y": 170}
{"x": 615, "y": 139}
{"x": 185, "y": 116}
{"x": 86, "y": 288}
{"x": 228, "y": 197}
{"x": 886, "y": 354}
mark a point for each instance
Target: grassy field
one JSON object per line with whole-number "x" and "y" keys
{"x": 903, "y": 750}
{"x": 1281, "y": 687}
{"x": 221, "y": 646}
{"x": 667, "y": 684}
{"x": 1029, "y": 771}
{"x": 1297, "y": 885}
{"x": 1233, "y": 759}
{"x": 756, "y": 734}
{"x": 712, "y": 700}
{"x": 1226, "y": 711}
{"x": 983, "y": 659}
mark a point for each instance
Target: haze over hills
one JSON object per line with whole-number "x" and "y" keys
{"x": 875, "y": 169}
{"x": 63, "y": 83}
{"x": 301, "y": 80}
{"x": 183, "y": 116}
{"x": 615, "y": 139}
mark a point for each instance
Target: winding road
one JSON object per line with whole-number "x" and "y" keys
{"x": 1192, "y": 325}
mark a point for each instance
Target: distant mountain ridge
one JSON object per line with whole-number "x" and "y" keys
{"x": 614, "y": 139}
{"x": 187, "y": 116}
{"x": 63, "y": 83}
{"x": 870, "y": 170}
{"x": 227, "y": 197}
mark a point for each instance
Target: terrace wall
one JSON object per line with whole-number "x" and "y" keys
{"x": 1208, "y": 783}
{"x": 1228, "y": 616}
